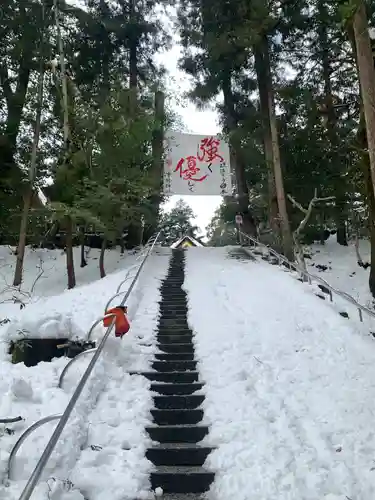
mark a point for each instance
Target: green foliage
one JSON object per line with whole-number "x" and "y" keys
{"x": 106, "y": 176}
{"x": 221, "y": 231}
{"x": 177, "y": 223}
{"x": 311, "y": 58}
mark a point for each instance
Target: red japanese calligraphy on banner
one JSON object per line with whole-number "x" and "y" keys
{"x": 208, "y": 152}
{"x": 196, "y": 164}
{"x": 190, "y": 171}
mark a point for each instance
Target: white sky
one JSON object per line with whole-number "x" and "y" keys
{"x": 196, "y": 122}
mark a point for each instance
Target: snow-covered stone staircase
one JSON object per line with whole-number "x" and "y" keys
{"x": 176, "y": 454}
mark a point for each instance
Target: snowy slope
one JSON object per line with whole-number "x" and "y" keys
{"x": 343, "y": 271}
{"x": 113, "y": 409}
{"x": 45, "y": 276}
{"x": 289, "y": 387}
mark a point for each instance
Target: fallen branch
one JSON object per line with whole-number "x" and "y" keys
{"x": 10, "y": 420}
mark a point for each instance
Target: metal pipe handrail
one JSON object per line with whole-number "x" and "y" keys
{"x": 122, "y": 282}
{"x": 22, "y": 438}
{"x": 96, "y": 323}
{"x": 73, "y": 360}
{"x": 111, "y": 298}
{"x": 127, "y": 276}
{"x": 312, "y": 277}
{"x": 37, "y": 472}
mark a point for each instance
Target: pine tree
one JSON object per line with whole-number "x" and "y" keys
{"x": 177, "y": 223}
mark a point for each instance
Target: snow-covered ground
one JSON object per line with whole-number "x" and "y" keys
{"x": 342, "y": 271}
{"x": 101, "y": 453}
{"x": 290, "y": 384}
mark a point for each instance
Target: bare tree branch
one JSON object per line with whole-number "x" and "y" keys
{"x": 10, "y": 420}
{"x": 307, "y": 212}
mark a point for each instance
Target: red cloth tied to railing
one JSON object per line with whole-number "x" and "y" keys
{"x": 122, "y": 325}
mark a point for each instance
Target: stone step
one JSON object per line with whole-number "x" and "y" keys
{"x": 178, "y": 330}
{"x": 181, "y": 479}
{"x": 174, "y": 303}
{"x": 179, "y": 388}
{"x": 177, "y": 417}
{"x": 177, "y": 303}
{"x": 175, "y": 316}
{"x": 173, "y": 326}
{"x": 174, "y": 366}
{"x": 174, "y": 321}
{"x": 175, "y": 288}
{"x": 181, "y": 327}
{"x": 176, "y": 348}
{"x": 178, "y": 454}
{"x": 176, "y": 325}
{"x": 183, "y": 496}
{"x": 170, "y": 377}
{"x": 175, "y": 356}
{"x": 177, "y": 433}
{"x": 173, "y": 292}
{"x": 164, "y": 329}
{"x": 175, "y": 338}
{"x": 190, "y": 402}
{"x": 174, "y": 300}
{"x": 172, "y": 310}
{"x": 180, "y": 323}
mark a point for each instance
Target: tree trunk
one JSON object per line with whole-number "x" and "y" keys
{"x": 334, "y": 160}
{"x": 367, "y": 79}
{"x": 362, "y": 143}
{"x": 371, "y": 226}
{"x": 158, "y": 167}
{"x": 279, "y": 181}
{"x": 69, "y": 253}
{"x": 267, "y": 140}
{"x": 236, "y": 160}
{"x": 22, "y": 237}
{"x": 134, "y": 230}
{"x": 123, "y": 243}
{"x": 101, "y": 258}
{"x": 322, "y": 227}
{"x": 32, "y": 174}
{"x": 82, "y": 244}
{"x": 133, "y": 46}
{"x": 51, "y": 234}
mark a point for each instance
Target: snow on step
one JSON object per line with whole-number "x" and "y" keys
{"x": 289, "y": 384}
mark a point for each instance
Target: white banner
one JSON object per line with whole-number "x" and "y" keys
{"x": 196, "y": 164}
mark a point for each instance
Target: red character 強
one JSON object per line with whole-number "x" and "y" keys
{"x": 209, "y": 150}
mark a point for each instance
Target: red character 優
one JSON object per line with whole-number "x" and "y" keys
{"x": 191, "y": 170}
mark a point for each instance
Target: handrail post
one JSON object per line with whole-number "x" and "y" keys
{"x": 22, "y": 438}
